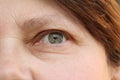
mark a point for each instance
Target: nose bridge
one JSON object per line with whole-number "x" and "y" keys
{"x": 10, "y": 61}
{"x": 8, "y": 54}
{"x": 8, "y": 45}
{"x": 12, "y": 66}
{"x": 12, "y": 71}
{"x": 9, "y": 71}
{"x": 11, "y": 49}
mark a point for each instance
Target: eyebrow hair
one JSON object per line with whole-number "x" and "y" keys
{"x": 37, "y": 22}
{"x": 32, "y": 26}
{"x": 34, "y": 23}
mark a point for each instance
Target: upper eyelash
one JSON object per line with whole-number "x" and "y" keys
{"x": 41, "y": 34}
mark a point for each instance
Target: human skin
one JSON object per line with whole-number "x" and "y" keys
{"x": 79, "y": 58}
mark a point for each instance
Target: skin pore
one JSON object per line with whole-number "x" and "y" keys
{"x": 26, "y": 53}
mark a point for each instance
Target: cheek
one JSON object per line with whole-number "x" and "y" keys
{"x": 88, "y": 65}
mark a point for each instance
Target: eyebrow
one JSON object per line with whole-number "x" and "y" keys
{"x": 33, "y": 23}
{"x": 32, "y": 26}
{"x": 37, "y": 22}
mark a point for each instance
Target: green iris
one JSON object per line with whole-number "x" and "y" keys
{"x": 55, "y": 38}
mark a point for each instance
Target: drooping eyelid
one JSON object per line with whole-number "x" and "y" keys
{"x": 41, "y": 34}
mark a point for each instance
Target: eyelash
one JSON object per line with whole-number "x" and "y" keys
{"x": 41, "y": 34}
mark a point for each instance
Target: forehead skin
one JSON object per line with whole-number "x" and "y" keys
{"x": 86, "y": 61}
{"x": 19, "y": 12}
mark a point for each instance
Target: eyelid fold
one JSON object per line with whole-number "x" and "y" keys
{"x": 41, "y": 34}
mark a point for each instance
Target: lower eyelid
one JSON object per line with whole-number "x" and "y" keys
{"x": 49, "y": 48}
{"x": 41, "y": 43}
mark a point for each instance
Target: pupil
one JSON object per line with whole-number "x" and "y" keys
{"x": 55, "y": 38}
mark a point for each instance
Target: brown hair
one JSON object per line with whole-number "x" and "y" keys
{"x": 102, "y": 19}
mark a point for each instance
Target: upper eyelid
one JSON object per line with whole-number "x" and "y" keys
{"x": 62, "y": 29}
{"x": 45, "y": 32}
{"x": 41, "y": 24}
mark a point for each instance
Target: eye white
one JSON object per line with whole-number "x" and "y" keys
{"x": 54, "y": 38}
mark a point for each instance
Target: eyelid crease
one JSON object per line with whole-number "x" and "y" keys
{"x": 35, "y": 26}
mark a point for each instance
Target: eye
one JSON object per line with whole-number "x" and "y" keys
{"x": 51, "y": 37}
{"x": 52, "y": 41}
{"x": 54, "y": 38}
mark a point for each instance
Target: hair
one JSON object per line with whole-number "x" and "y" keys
{"x": 102, "y": 19}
